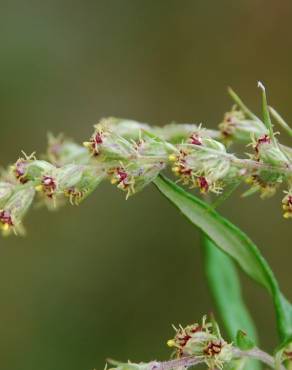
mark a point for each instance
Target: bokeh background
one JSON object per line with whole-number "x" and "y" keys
{"x": 107, "y": 279}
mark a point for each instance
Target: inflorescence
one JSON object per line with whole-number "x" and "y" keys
{"x": 131, "y": 155}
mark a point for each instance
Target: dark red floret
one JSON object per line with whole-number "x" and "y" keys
{"x": 49, "y": 185}
{"x": 98, "y": 138}
{"x": 203, "y": 183}
{"x": 195, "y": 139}
{"x": 262, "y": 140}
{"x": 5, "y": 218}
{"x": 20, "y": 168}
{"x": 122, "y": 175}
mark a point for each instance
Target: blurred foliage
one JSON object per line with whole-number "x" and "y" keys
{"x": 108, "y": 278}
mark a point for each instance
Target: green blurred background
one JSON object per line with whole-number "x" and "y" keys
{"x": 108, "y": 278}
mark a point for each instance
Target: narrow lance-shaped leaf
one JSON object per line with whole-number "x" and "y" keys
{"x": 226, "y": 290}
{"x": 225, "y": 286}
{"x": 232, "y": 241}
{"x": 279, "y": 119}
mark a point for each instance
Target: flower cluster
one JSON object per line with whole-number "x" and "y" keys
{"x": 131, "y": 155}
{"x": 203, "y": 341}
{"x": 200, "y": 162}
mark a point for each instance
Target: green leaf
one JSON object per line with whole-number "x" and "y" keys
{"x": 232, "y": 241}
{"x": 280, "y": 120}
{"x": 225, "y": 286}
{"x": 243, "y": 341}
{"x": 228, "y": 191}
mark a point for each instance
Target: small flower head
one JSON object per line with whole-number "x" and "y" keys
{"x": 28, "y": 168}
{"x": 236, "y": 126}
{"x": 178, "y": 133}
{"x": 62, "y": 151}
{"x": 48, "y": 185}
{"x": 12, "y": 214}
{"x": 202, "y": 340}
{"x": 261, "y": 142}
{"x": 200, "y": 164}
{"x": 5, "y": 220}
{"x": 267, "y": 150}
{"x": 77, "y": 182}
{"x": 95, "y": 142}
{"x": 107, "y": 145}
{"x": 73, "y": 181}
{"x": 266, "y": 185}
{"x": 181, "y": 169}
{"x": 123, "y": 179}
{"x": 134, "y": 176}
{"x": 75, "y": 195}
{"x": 128, "y": 129}
{"x": 20, "y": 167}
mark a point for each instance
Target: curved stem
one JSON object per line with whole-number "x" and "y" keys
{"x": 257, "y": 354}
{"x": 186, "y": 362}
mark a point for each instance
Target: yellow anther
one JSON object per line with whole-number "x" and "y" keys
{"x": 87, "y": 144}
{"x": 172, "y": 157}
{"x": 171, "y": 343}
{"x": 114, "y": 181}
{"x": 5, "y": 227}
{"x": 287, "y": 215}
{"x": 39, "y": 188}
{"x": 175, "y": 169}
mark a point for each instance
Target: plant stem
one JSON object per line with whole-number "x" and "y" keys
{"x": 186, "y": 362}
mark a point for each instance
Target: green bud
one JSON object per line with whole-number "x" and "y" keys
{"x": 272, "y": 155}
{"x": 175, "y": 133}
{"x": 236, "y": 126}
{"x": 128, "y": 129}
{"x": 68, "y": 176}
{"x": 136, "y": 175}
{"x": 268, "y": 151}
{"x": 62, "y": 151}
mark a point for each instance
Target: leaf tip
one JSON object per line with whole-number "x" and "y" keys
{"x": 261, "y": 86}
